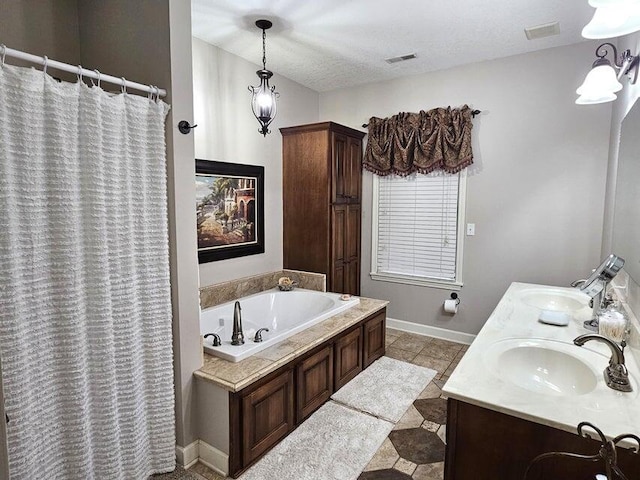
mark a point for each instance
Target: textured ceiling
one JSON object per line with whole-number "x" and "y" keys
{"x": 329, "y": 44}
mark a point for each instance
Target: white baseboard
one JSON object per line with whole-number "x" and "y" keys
{"x": 430, "y": 331}
{"x": 213, "y": 458}
{"x": 188, "y": 456}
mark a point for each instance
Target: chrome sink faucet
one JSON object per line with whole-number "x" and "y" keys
{"x": 237, "y": 337}
{"x": 595, "y": 286}
{"x": 615, "y": 375}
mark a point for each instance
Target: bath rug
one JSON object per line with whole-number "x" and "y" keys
{"x": 385, "y": 389}
{"x": 333, "y": 443}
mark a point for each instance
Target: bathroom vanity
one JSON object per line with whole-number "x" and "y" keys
{"x": 270, "y": 393}
{"x": 523, "y": 387}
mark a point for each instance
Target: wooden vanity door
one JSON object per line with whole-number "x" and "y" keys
{"x": 314, "y": 382}
{"x": 348, "y": 357}
{"x": 267, "y": 415}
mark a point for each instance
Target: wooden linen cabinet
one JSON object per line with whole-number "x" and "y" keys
{"x": 322, "y": 186}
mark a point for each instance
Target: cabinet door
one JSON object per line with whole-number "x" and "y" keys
{"x": 353, "y": 170}
{"x": 314, "y": 382}
{"x": 373, "y": 333}
{"x": 339, "y": 259}
{"x": 267, "y": 416}
{"x": 352, "y": 247}
{"x": 340, "y": 168}
{"x": 348, "y": 357}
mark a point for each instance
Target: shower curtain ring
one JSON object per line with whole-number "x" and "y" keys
{"x": 99, "y": 75}
{"x": 79, "y": 73}
{"x": 45, "y": 64}
{"x": 4, "y": 53}
{"x": 123, "y": 89}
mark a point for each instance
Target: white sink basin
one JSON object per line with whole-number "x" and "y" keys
{"x": 545, "y": 366}
{"x": 554, "y": 300}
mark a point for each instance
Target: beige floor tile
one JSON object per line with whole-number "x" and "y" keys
{"x": 410, "y": 419}
{"x": 385, "y": 457}
{"x": 442, "y": 433}
{"x": 392, "y": 332}
{"x": 431, "y": 471}
{"x": 437, "y": 350}
{"x": 405, "y": 466}
{"x": 431, "y": 391}
{"x": 437, "y": 364}
{"x": 399, "y": 354}
{"x": 431, "y": 426}
{"x": 411, "y": 342}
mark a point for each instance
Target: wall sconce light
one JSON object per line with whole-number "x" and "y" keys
{"x": 601, "y": 83}
{"x": 263, "y": 100}
{"x": 613, "y": 18}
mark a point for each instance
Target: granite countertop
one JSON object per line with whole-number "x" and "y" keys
{"x": 474, "y": 382}
{"x": 236, "y": 376}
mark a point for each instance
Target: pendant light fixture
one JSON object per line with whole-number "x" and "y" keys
{"x": 263, "y": 100}
{"x": 613, "y": 18}
{"x": 601, "y": 83}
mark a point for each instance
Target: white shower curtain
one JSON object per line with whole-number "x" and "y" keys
{"x": 85, "y": 313}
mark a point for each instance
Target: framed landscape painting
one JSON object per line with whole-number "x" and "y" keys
{"x": 229, "y": 210}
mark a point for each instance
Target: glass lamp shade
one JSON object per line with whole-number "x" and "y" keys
{"x": 613, "y": 19}
{"x": 588, "y": 99}
{"x": 601, "y": 79}
{"x": 263, "y": 101}
{"x": 612, "y": 3}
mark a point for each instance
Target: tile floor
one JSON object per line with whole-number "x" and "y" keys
{"x": 415, "y": 447}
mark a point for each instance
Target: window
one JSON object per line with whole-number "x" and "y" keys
{"x": 417, "y": 235}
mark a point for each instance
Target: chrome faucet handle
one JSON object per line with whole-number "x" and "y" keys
{"x": 216, "y": 339}
{"x": 258, "y": 336}
{"x": 578, "y": 283}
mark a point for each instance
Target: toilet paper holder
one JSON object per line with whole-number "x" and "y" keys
{"x": 454, "y": 296}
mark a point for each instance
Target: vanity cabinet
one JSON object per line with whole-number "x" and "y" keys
{"x": 482, "y": 443}
{"x": 262, "y": 414}
{"x": 321, "y": 193}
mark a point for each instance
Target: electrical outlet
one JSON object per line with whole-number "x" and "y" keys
{"x": 471, "y": 229}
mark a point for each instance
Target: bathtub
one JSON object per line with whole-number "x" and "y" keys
{"x": 283, "y": 313}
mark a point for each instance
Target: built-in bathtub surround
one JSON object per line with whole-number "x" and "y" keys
{"x": 273, "y": 315}
{"x": 236, "y": 376}
{"x": 219, "y": 293}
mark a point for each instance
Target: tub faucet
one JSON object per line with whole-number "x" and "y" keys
{"x": 237, "y": 338}
{"x": 615, "y": 375}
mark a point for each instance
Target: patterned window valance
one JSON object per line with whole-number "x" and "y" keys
{"x": 439, "y": 139}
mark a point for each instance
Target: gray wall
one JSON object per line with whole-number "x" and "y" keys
{"x": 41, "y": 27}
{"x": 227, "y": 131}
{"x": 535, "y": 193}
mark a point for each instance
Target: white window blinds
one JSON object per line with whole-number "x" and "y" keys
{"x": 417, "y": 226}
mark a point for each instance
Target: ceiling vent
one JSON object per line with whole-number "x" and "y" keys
{"x": 541, "y": 31}
{"x": 401, "y": 58}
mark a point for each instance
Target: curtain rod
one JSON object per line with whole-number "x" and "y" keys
{"x": 95, "y": 74}
{"x": 473, "y": 114}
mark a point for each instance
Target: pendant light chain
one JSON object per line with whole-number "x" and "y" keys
{"x": 264, "y": 49}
